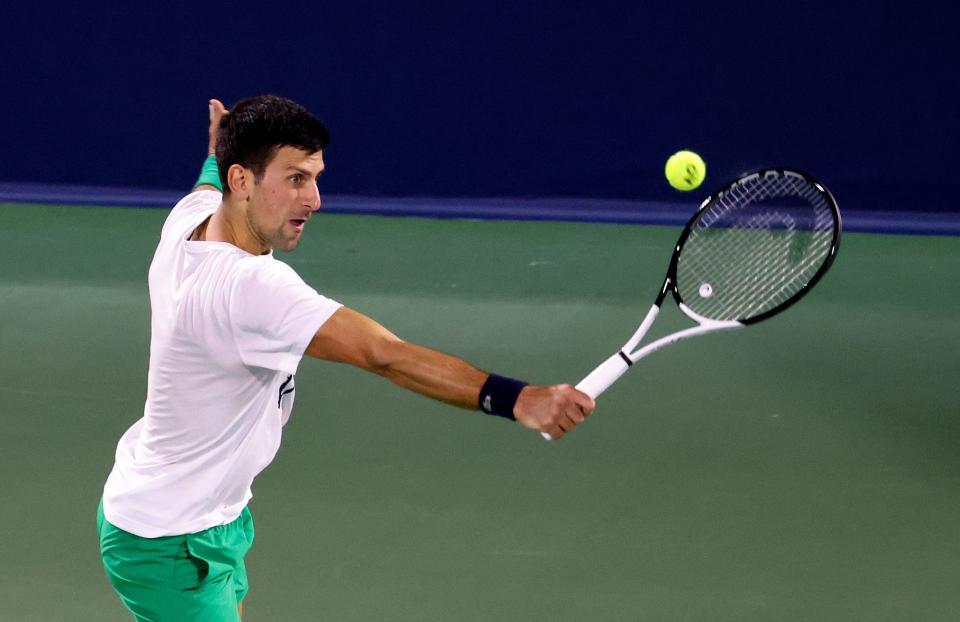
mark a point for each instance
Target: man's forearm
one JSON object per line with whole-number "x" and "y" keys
{"x": 432, "y": 373}
{"x": 352, "y": 338}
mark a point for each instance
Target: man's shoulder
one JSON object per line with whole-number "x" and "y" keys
{"x": 201, "y": 202}
{"x": 265, "y": 269}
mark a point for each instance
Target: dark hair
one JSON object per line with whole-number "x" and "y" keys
{"x": 257, "y": 127}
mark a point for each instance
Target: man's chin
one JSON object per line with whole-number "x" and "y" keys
{"x": 287, "y": 245}
{"x": 284, "y": 243}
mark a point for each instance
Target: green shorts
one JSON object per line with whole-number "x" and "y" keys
{"x": 199, "y": 576}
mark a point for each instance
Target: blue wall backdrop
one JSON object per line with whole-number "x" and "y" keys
{"x": 496, "y": 99}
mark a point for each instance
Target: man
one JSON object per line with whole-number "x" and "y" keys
{"x": 229, "y": 326}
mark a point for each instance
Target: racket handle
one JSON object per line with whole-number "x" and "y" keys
{"x": 606, "y": 373}
{"x": 600, "y": 379}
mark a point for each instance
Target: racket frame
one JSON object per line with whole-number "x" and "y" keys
{"x": 671, "y": 282}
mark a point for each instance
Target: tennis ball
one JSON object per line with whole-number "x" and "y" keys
{"x": 685, "y": 170}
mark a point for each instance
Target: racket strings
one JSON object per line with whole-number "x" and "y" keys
{"x": 760, "y": 279}
{"x": 756, "y": 247}
{"x": 749, "y": 255}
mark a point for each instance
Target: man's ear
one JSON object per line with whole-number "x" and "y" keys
{"x": 240, "y": 180}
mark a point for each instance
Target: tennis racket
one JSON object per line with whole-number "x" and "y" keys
{"x": 752, "y": 250}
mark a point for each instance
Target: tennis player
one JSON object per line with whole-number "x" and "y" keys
{"x": 229, "y": 326}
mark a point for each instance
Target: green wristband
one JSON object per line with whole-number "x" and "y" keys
{"x": 209, "y": 174}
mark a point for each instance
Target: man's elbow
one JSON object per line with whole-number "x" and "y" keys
{"x": 384, "y": 355}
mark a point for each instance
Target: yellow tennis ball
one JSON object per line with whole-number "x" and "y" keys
{"x": 685, "y": 170}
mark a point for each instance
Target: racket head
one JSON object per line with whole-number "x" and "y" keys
{"x": 755, "y": 247}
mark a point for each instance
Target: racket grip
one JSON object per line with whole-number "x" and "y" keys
{"x": 606, "y": 373}
{"x": 600, "y": 379}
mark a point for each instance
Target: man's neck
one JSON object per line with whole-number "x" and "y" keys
{"x": 227, "y": 225}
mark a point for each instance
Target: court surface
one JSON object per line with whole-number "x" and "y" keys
{"x": 806, "y": 468}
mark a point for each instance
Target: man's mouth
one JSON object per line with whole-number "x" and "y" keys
{"x": 298, "y": 223}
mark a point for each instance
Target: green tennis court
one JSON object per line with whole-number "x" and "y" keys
{"x": 804, "y": 469}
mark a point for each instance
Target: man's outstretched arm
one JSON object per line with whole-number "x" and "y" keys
{"x": 352, "y": 338}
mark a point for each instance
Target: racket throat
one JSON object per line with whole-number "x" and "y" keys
{"x": 626, "y": 359}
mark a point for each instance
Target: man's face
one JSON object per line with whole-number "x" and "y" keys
{"x": 285, "y": 198}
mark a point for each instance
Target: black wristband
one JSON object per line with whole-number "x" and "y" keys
{"x": 499, "y": 394}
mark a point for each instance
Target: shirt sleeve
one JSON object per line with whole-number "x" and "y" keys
{"x": 274, "y": 314}
{"x": 191, "y": 209}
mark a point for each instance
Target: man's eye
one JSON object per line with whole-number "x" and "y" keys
{"x": 295, "y": 179}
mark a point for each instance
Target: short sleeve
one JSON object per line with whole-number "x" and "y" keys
{"x": 274, "y": 314}
{"x": 192, "y": 209}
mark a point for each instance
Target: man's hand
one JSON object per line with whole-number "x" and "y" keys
{"x": 205, "y": 182}
{"x": 216, "y": 113}
{"x": 553, "y": 409}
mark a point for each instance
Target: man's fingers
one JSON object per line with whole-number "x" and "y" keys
{"x": 576, "y": 407}
{"x": 576, "y": 415}
{"x": 565, "y": 420}
{"x": 554, "y": 410}
{"x": 217, "y": 109}
{"x": 584, "y": 401}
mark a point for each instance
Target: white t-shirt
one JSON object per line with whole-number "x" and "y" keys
{"x": 228, "y": 330}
